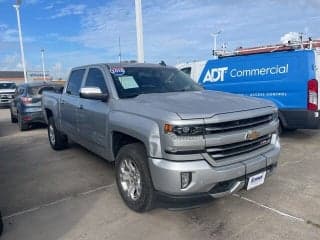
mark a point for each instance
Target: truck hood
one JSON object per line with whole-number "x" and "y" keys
{"x": 201, "y": 104}
{"x": 7, "y": 90}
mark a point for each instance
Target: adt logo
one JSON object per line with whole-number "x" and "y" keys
{"x": 215, "y": 75}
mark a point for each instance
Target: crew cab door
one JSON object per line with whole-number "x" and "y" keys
{"x": 69, "y": 103}
{"x": 93, "y": 115}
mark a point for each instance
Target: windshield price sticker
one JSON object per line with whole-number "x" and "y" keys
{"x": 117, "y": 71}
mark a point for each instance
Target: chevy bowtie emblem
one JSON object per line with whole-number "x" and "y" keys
{"x": 252, "y": 135}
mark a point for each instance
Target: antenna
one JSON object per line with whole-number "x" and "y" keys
{"x": 301, "y": 39}
{"x": 215, "y": 35}
{"x": 119, "y": 42}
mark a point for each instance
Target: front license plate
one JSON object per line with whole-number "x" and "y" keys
{"x": 256, "y": 180}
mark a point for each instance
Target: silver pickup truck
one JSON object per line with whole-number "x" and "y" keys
{"x": 169, "y": 138}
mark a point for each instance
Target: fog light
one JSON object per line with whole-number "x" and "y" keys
{"x": 186, "y": 178}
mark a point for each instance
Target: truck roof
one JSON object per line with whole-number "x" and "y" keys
{"x": 7, "y": 82}
{"x": 125, "y": 64}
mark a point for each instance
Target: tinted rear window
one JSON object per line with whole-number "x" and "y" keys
{"x": 32, "y": 91}
{"x": 38, "y": 90}
{"x": 7, "y": 85}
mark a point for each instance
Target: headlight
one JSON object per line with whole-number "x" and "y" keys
{"x": 275, "y": 115}
{"x": 189, "y": 130}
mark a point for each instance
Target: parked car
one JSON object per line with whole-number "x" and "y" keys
{"x": 26, "y": 105}
{"x": 7, "y": 90}
{"x": 169, "y": 138}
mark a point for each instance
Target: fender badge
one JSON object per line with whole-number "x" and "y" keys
{"x": 252, "y": 135}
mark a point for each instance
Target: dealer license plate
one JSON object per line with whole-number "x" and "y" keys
{"x": 256, "y": 180}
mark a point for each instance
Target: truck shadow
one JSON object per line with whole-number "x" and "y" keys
{"x": 300, "y": 134}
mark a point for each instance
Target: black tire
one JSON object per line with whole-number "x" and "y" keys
{"x": 60, "y": 140}
{"x": 137, "y": 154}
{"x": 13, "y": 119}
{"x": 291, "y": 129}
{"x": 280, "y": 129}
{"x": 1, "y": 225}
{"x": 22, "y": 126}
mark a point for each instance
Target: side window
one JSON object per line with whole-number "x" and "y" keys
{"x": 75, "y": 81}
{"x": 21, "y": 91}
{"x": 95, "y": 79}
{"x": 186, "y": 70}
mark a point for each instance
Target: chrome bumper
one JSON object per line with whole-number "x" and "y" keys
{"x": 166, "y": 174}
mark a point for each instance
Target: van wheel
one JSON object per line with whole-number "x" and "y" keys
{"x": 133, "y": 177}
{"x": 22, "y": 126}
{"x": 58, "y": 141}
{"x": 13, "y": 119}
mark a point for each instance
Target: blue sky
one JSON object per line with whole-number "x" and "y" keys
{"x": 82, "y": 32}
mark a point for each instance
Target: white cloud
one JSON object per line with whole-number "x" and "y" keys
{"x": 11, "y": 35}
{"x": 291, "y": 36}
{"x": 53, "y": 5}
{"x": 72, "y": 9}
{"x": 3, "y": 26}
{"x": 10, "y": 62}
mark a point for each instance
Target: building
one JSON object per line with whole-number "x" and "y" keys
{"x": 18, "y": 76}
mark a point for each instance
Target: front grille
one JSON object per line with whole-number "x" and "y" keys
{"x": 237, "y": 124}
{"x": 225, "y": 151}
{"x": 6, "y": 96}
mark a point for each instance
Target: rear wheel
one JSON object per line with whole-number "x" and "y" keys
{"x": 58, "y": 141}
{"x": 22, "y": 126}
{"x": 133, "y": 177}
{"x": 13, "y": 118}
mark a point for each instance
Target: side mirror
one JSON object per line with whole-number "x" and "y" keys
{"x": 93, "y": 93}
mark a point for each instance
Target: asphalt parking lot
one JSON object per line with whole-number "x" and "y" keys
{"x": 72, "y": 195}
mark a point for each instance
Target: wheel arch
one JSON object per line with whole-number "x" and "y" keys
{"x": 134, "y": 128}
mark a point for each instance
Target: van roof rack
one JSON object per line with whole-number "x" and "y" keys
{"x": 290, "y": 46}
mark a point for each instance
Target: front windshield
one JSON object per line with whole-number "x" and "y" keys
{"x": 7, "y": 85}
{"x": 133, "y": 81}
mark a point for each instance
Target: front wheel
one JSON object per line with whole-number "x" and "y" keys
{"x": 133, "y": 177}
{"x": 58, "y": 141}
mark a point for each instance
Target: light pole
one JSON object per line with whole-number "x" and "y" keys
{"x": 43, "y": 69}
{"x": 215, "y": 35}
{"x": 139, "y": 26}
{"x": 17, "y": 7}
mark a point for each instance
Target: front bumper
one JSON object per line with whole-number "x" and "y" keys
{"x": 300, "y": 118}
{"x": 5, "y": 102}
{"x": 206, "y": 179}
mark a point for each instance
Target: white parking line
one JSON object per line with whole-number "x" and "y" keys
{"x": 57, "y": 201}
{"x": 270, "y": 208}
